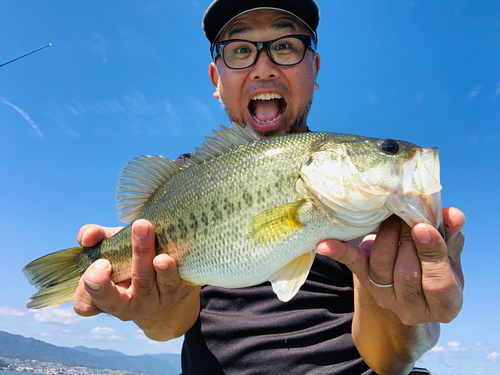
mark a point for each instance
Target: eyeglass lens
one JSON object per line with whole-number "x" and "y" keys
{"x": 284, "y": 51}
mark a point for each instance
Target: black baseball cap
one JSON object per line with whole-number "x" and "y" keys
{"x": 221, "y": 12}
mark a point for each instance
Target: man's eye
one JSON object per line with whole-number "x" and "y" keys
{"x": 282, "y": 47}
{"x": 242, "y": 50}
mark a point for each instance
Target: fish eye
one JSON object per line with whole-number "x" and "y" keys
{"x": 390, "y": 146}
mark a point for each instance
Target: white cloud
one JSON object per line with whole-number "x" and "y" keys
{"x": 24, "y": 114}
{"x": 57, "y": 315}
{"x": 455, "y": 346}
{"x": 105, "y": 333}
{"x": 134, "y": 105}
{"x": 72, "y": 110}
{"x": 477, "y": 346}
{"x": 133, "y": 45}
{"x": 372, "y": 99}
{"x": 475, "y": 92}
{"x": 11, "y": 311}
{"x": 106, "y": 107}
{"x": 492, "y": 357}
{"x": 497, "y": 91}
{"x": 99, "y": 47}
{"x": 437, "y": 349}
{"x": 171, "y": 346}
{"x": 139, "y": 335}
{"x": 102, "y": 331}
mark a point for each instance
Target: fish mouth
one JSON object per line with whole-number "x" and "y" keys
{"x": 267, "y": 109}
{"x": 417, "y": 208}
{"x": 419, "y": 200}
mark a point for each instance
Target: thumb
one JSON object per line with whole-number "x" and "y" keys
{"x": 346, "y": 253}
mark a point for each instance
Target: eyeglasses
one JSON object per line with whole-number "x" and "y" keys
{"x": 241, "y": 54}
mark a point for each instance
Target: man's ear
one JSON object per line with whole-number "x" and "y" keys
{"x": 214, "y": 78}
{"x": 316, "y": 65}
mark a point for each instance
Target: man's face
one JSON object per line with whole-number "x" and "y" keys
{"x": 243, "y": 92}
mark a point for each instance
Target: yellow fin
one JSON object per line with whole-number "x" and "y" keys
{"x": 277, "y": 223}
{"x": 287, "y": 281}
{"x": 190, "y": 283}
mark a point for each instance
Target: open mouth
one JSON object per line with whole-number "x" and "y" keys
{"x": 267, "y": 108}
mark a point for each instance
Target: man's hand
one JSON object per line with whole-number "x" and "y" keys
{"x": 426, "y": 271}
{"x": 154, "y": 292}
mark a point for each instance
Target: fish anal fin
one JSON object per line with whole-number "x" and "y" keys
{"x": 287, "y": 281}
{"x": 277, "y": 223}
{"x": 190, "y": 283}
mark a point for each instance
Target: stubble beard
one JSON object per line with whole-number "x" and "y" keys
{"x": 297, "y": 124}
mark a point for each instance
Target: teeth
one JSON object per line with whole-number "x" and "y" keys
{"x": 267, "y": 96}
{"x": 268, "y": 122}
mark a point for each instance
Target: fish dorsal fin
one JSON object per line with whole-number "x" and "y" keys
{"x": 139, "y": 180}
{"x": 142, "y": 176}
{"x": 287, "y": 281}
{"x": 224, "y": 140}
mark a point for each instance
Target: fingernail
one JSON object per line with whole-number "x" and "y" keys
{"x": 162, "y": 265}
{"x": 95, "y": 287}
{"x": 141, "y": 231}
{"x": 101, "y": 264}
{"x": 423, "y": 235}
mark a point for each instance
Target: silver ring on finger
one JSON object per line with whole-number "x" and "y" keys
{"x": 380, "y": 285}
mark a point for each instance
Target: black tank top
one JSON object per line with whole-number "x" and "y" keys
{"x": 249, "y": 331}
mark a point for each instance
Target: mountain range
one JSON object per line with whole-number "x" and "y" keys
{"x": 16, "y": 346}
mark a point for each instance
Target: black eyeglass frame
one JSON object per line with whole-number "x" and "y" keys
{"x": 218, "y": 48}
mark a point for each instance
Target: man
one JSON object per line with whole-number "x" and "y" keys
{"x": 377, "y": 305}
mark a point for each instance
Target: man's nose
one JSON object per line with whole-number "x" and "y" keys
{"x": 264, "y": 68}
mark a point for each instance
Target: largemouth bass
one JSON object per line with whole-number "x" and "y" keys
{"x": 245, "y": 210}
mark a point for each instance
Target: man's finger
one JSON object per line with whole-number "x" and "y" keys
{"x": 143, "y": 248}
{"x": 454, "y": 220}
{"x": 353, "y": 257}
{"x": 408, "y": 277}
{"x": 367, "y": 242}
{"x": 442, "y": 288}
{"x": 96, "y": 291}
{"x": 171, "y": 287}
{"x": 83, "y": 304}
{"x": 91, "y": 234}
{"x": 384, "y": 251}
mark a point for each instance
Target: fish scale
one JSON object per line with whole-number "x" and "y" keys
{"x": 244, "y": 210}
{"x": 223, "y": 185}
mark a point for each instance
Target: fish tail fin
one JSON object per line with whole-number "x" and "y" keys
{"x": 56, "y": 275}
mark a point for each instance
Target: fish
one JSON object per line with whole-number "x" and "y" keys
{"x": 243, "y": 210}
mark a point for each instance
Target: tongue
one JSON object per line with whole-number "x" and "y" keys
{"x": 266, "y": 110}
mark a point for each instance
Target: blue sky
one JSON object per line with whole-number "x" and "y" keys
{"x": 127, "y": 78}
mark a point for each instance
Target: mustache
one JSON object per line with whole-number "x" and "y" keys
{"x": 265, "y": 85}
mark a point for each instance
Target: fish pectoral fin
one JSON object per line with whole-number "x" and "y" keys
{"x": 277, "y": 223}
{"x": 287, "y": 281}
